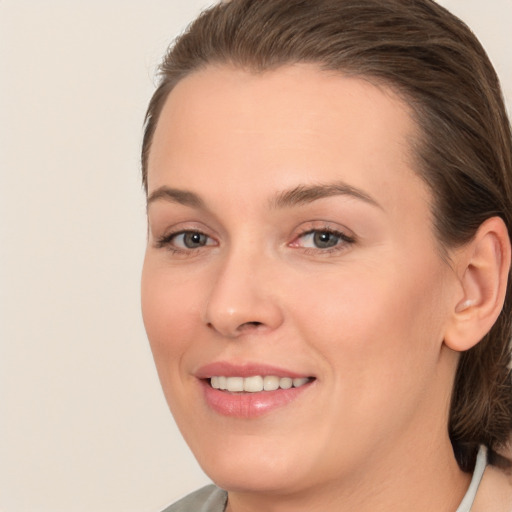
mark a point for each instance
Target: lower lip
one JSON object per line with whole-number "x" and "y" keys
{"x": 249, "y": 405}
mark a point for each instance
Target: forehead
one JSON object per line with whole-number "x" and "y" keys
{"x": 295, "y": 123}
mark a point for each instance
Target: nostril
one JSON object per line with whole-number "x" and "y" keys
{"x": 249, "y": 325}
{"x": 240, "y": 329}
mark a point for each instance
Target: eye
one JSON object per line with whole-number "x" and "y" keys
{"x": 190, "y": 239}
{"x": 323, "y": 239}
{"x": 185, "y": 241}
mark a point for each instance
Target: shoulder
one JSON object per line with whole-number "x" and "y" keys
{"x": 495, "y": 491}
{"x": 206, "y": 499}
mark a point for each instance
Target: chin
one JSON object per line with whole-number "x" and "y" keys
{"x": 258, "y": 477}
{"x": 253, "y": 464}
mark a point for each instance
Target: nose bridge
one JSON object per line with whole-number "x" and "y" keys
{"x": 242, "y": 297}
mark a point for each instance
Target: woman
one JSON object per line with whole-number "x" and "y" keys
{"x": 329, "y": 189}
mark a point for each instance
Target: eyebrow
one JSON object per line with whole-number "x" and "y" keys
{"x": 304, "y": 194}
{"x": 173, "y": 195}
{"x": 297, "y": 196}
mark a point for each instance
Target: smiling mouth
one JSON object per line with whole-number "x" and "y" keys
{"x": 256, "y": 383}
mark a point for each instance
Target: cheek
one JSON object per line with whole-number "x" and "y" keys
{"x": 378, "y": 335}
{"x": 168, "y": 311}
{"x": 381, "y": 323}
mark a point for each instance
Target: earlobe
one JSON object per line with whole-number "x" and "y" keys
{"x": 483, "y": 267}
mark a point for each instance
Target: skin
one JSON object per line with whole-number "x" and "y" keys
{"x": 367, "y": 318}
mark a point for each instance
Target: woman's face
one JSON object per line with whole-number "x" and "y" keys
{"x": 289, "y": 238}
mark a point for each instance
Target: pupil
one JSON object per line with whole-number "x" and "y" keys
{"x": 324, "y": 239}
{"x": 192, "y": 240}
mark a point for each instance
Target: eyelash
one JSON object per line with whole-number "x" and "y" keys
{"x": 166, "y": 241}
{"x": 344, "y": 240}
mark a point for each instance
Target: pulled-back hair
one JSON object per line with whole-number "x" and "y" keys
{"x": 464, "y": 151}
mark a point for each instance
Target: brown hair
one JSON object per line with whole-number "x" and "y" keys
{"x": 464, "y": 154}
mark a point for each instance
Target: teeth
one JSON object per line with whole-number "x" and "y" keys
{"x": 253, "y": 384}
{"x": 270, "y": 383}
{"x": 235, "y": 384}
{"x": 256, "y": 383}
{"x": 285, "y": 383}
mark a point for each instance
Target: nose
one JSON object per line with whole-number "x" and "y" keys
{"x": 244, "y": 297}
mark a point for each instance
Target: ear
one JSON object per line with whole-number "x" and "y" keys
{"x": 483, "y": 267}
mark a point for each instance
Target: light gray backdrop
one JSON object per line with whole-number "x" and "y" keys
{"x": 83, "y": 423}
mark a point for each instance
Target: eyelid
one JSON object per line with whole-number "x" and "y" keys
{"x": 168, "y": 237}
{"x": 165, "y": 241}
{"x": 312, "y": 226}
{"x": 173, "y": 236}
{"x": 346, "y": 238}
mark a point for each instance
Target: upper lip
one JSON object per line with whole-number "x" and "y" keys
{"x": 227, "y": 369}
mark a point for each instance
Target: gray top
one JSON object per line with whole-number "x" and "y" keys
{"x": 206, "y": 499}
{"x": 213, "y": 499}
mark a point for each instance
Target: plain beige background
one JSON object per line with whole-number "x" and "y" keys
{"x": 83, "y": 423}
